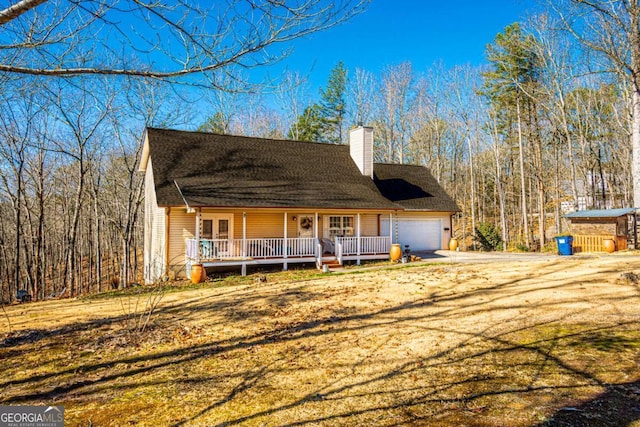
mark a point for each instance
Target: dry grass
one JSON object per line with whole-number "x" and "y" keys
{"x": 520, "y": 344}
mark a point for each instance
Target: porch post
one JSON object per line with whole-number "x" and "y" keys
{"x": 198, "y": 218}
{"x": 390, "y": 229}
{"x": 285, "y": 267}
{"x": 317, "y": 241}
{"x": 358, "y": 241}
{"x": 635, "y": 229}
{"x": 244, "y": 243}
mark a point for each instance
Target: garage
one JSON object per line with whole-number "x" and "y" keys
{"x": 421, "y": 234}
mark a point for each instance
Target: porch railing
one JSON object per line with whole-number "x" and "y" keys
{"x": 368, "y": 245}
{"x": 221, "y": 249}
{"x": 264, "y": 248}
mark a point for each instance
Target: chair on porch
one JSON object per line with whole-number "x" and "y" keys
{"x": 328, "y": 247}
{"x": 206, "y": 249}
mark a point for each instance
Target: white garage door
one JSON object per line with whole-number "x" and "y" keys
{"x": 420, "y": 234}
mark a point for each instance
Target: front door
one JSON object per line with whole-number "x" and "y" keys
{"x": 305, "y": 225}
{"x": 219, "y": 229}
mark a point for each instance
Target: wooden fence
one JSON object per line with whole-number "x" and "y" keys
{"x": 594, "y": 243}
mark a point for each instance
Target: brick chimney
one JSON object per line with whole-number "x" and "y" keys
{"x": 361, "y": 149}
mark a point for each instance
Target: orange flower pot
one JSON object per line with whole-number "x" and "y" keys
{"x": 609, "y": 245}
{"x": 396, "y": 252}
{"x": 198, "y": 273}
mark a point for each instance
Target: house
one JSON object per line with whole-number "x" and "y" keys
{"x": 599, "y": 191}
{"x": 591, "y": 227}
{"x": 223, "y": 200}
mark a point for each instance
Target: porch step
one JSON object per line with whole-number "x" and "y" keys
{"x": 332, "y": 264}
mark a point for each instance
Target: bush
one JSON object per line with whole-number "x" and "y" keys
{"x": 488, "y": 236}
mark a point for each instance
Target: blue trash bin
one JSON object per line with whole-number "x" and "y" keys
{"x": 565, "y": 245}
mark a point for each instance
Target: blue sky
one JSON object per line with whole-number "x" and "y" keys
{"x": 392, "y": 31}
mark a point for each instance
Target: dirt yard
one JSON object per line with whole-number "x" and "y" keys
{"x": 542, "y": 342}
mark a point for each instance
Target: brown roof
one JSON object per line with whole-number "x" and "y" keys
{"x": 205, "y": 169}
{"x": 412, "y": 187}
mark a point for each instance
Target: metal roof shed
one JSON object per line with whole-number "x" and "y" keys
{"x": 602, "y": 213}
{"x": 590, "y": 227}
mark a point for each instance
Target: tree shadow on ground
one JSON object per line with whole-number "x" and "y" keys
{"x": 618, "y": 406}
{"x": 397, "y": 384}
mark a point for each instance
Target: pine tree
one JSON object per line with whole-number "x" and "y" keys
{"x": 217, "y": 123}
{"x": 309, "y": 125}
{"x": 509, "y": 86}
{"x": 333, "y": 105}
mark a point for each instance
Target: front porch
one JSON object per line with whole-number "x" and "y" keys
{"x": 235, "y": 238}
{"x": 243, "y": 252}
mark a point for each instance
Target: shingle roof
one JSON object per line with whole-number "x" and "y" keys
{"x": 412, "y": 187}
{"x": 205, "y": 169}
{"x": 601, "y": 213}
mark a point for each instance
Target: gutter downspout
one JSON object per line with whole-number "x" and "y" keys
{"x": 198, "y": 215}
{"x": 396, "y": 227}
{"x": 167, "y": 235}
{"x": 358, "y": 248}
{"x": 390, "y": 229}
{"x": 244, "y": 244}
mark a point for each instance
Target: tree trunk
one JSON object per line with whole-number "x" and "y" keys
{"x": 472, "y": 181}
{"x": 16, "y": 264}
{"x": 523, "y": 189}
{"x": 635, "y": 139}
{"x": 556, "y": 191}
{"x": 634, "y": 38}
{"x": 567, "y": 135}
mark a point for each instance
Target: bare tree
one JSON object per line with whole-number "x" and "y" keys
{"x": 81, "y": 116}
{"x": 555, "y": 54}
{"x": 13, "y": 153}
{"x": 22, "y": 174}
{"x": 612, "y": 29}
{"x": 360, "y": 97}
{"x": 292, "y": 99}
{"x": 468, "y": 111}
{"x": 396, "y": 98}
{"x": 160, "y": 40}
{"x": 429, "y": 125}
{"x": 498, "y": 157}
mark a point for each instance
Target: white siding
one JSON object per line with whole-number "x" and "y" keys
{"x": 154, "y": 232}
{"x": 361, "y": 149}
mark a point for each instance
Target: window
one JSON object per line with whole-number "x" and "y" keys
{"x": 223, "y": 229}
{"x": 341, "y": 226}
{"x": 207, "y": 229}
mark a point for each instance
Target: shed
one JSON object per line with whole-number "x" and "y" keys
{"x": 591, "y": 227}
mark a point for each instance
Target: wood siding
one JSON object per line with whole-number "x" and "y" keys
{"x": 260, "y": 224}
{"x": 595, "y": 243}
{"x": 264, "y": 224}
{"x": 369, "y": 226}
{"x": 183, "y": 227}
{"x": 271, "y": 223}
